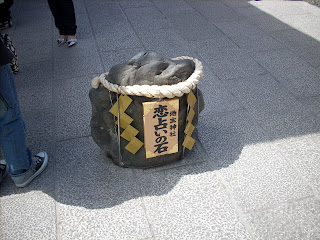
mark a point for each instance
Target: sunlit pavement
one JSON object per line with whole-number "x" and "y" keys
{"x": 254, "y": 172}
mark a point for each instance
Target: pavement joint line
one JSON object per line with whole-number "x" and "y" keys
{"x": 164, "y": 168}
{"x": 298, "y": 172}
{"x": 229, "y": 193}
{"x": 280, "y": 204}
{"x": 143, "y": 204}
{"x": 73, "y": 138}
{"x": 236, "y": 207}
{"x": 94, "y": 36}
{"x": 53, "y": 156}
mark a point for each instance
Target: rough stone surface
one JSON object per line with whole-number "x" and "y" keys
{"x": 149, "y": 68}
{"x": 146, "y": 68}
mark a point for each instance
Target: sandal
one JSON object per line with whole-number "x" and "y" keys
{"x": 61, "y": 41}
{"x": 71, "y": 42}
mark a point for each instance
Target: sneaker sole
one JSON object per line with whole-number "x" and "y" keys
{"x": 40, "y": 170}
{"x": 5, "y": 173}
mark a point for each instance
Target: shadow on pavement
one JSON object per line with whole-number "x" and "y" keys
{"x": 277, "y": 103}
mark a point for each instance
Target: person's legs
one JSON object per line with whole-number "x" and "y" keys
{"x": 5, "y": 14}
{"x": 23, "y": 168}
{"x": 12, "y": 126}
{"x": 69, "y": 26}
{"x": 54, "y": 6}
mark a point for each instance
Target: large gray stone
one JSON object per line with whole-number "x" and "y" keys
{"x": 150, "y": 68}
{"x": 146, "y": 68}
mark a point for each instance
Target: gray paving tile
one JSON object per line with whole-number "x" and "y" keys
{"x": 166, "y": 42}
{"x": 242, "y": 6}
{"x": 26, "y": 34}
{"x": 169, "y": 7}
{"x": 120, "y": 40}
{"x": 79, "y": 7}
{"x": 35, "y": 98}
{"x": 73, "y": 111}
{"x": 107, "y": 203}
{"x": 39, "y": 47}
{"x": 305, "y": 46}
{"x": 135, "y": 3}
{"x": 291, "y": 126}
{"x": 304, "y": 155}
{"x": 194, "y": 26}
{"x": 155, "y": 37}
{"x": 40, "y": 129}
{"x": 231, "y": 63}
{"x": 104, "y": 10}
{"x": 146, "y": 18}
{"x": 307, "y": 7}
{"x": 143, "y": 13}
{"x": 256, "y": 42}
{"x": 216, "y": 11}
{"x": 247, "y": 36}
{"x": 278, "y": 8}
{"x": 83, "y": 59}
{"x": 173, "y": 51}
{"x": 216, "y": 97}
{"x": 239, "y": 28}
{"x": 112, "y": 27}
{"x": 34, "y": 75}
{"x": 294, "y": 220}
{"x": 267, "y": 22}
{"x": 102, "y": 176}
{"x": 224, "y": 135}
{"x": 84, "y": 29}
{"x": 297, "y": 75}
{"x": 16, "y": 212}
{"x": 312, "y": 103}
{"x": 260, "y": 177}
{"x": 34, "y": 5}
{"x": 33, "y": 22}
{"x": 302, "y": 23}
{"x": 122, "y": 222}
{"x": 263, "y": 96}
{"x": 111, "y": 58}
{"x": 188, "y": 203}
{"x": 212, "y": 45}
{"x": 277, "y": 60}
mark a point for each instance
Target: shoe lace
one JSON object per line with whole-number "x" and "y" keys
{"x": 37, "y": 160}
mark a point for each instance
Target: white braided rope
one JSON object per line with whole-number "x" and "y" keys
{"x": 155, "y": 91}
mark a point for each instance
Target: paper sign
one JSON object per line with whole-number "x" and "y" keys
{"x": 161, "y": 120}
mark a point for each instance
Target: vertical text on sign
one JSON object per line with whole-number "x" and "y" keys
{"x": 161, "y": 127}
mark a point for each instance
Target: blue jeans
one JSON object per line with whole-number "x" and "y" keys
{"x": 12, "y": 127}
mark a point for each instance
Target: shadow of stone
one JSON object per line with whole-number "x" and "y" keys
{"x": 80, "y": 175}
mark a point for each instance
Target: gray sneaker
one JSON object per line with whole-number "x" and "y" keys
{"x": 40, "y": 162}
{"x": 3, "y": 169}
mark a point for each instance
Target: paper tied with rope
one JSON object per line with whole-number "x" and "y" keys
{"x": 124, "y": 121}
{"x": 160, "y": 120}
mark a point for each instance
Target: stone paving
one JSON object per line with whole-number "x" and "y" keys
{"x": 255, "y": 170}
